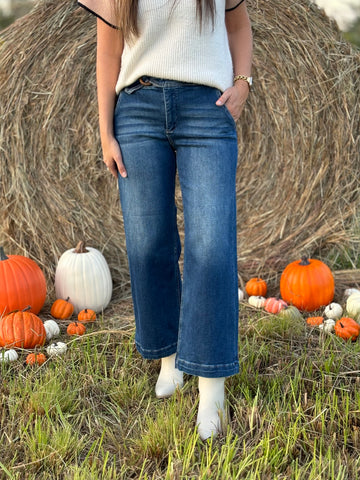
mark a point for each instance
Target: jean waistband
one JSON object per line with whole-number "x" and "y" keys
{"x": 163, "y": 82}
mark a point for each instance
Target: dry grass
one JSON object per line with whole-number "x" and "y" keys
{"x": 298, "y": 174}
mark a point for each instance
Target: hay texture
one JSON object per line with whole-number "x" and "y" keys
{"x": 298, "y": 172}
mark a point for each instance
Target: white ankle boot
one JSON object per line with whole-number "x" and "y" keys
{"x": 211, "y": 411}
{"x": 169, "y": 378}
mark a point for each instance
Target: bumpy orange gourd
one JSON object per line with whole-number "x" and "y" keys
{"x": 22, "y": 330}
{"x": 86, "y": 315}
{"x": 25, "y": 284}
{"x": 315, "y": 321}
{"x": 62, "y": 309}
{"x": 308, "y": 284}
{"x": 347, "y": 328}
{"x": 76, "y": 328}
{"x": 256, "y": 286}
{"x": 35, "y": 358}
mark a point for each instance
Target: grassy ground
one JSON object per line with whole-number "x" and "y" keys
{"x": 294, "y": 410}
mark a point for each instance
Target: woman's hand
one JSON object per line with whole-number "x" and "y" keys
{"x": 112, "y": 157}
{"x": 234, "y": 98}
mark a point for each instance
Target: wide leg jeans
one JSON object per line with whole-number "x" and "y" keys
{"x": 162, "y": 128}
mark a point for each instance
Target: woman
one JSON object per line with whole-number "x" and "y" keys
{"x": 172, "y": 78}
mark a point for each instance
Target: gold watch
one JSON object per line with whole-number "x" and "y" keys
{"x": 249, "y": 80}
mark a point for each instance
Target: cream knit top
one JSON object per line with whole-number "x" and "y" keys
{"x": 171, "y": 45}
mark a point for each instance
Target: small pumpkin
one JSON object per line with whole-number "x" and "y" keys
{"x": 308, "y": 284}
{"x": 8, "y": 355}
{"x": 333, "y": 310}
{"x": 62, "y": 309}
{"x": 56, "y": 349}
{"x": 256, "y": 286}
{"x": 83, "y": 274}
{"x": 350, "y": 291}
{"x": 328, "y": 325}
{"x": 35, "y": 358}
{"x": 315, "y": 321}
{"x": 347, "y": 328}
{"x": 240, "y": 295}
{"x": 274, "y": 305}
{"x": 353, "y": 305}
{"x": 86, "y": 315}
{"x": 52, "y": 329}
{"x": 25, "y": 284}
{"x": 76, "y": 328}
{"x": 290, "y": 313}
{"x": 257, "y": 301}
{"x": 22, "y": 330}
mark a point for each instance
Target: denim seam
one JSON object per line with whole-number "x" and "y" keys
{"x": 208, "y": 366}
{"x": 155, "y": 352}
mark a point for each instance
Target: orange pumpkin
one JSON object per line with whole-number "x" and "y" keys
{"x": 274, "y": 305}
{"x": 35, "y": 358}
{"x": 25, "y": 284}
{"x": 62, "y": 309}
{"x": 76, "y": 328}
{"x": 86, "y": 315}
{"x": 308, "y": 284}
{"x": 256, "y": 286}
{"x": 22, "y": 330}
{"x": 347, "y": 328}
{"x": 315, "y": 321}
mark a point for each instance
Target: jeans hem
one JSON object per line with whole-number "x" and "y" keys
{"x": 208, "y": 371}
{"x": 149, "y": 354}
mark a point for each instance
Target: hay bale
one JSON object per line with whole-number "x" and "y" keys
{"x": 298, "y": 174}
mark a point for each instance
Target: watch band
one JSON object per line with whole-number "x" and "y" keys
{"x": 245, "y": 78}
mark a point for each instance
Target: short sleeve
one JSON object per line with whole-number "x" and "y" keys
{"x": 232, "y": 4}
{"x": 103, "y": 9}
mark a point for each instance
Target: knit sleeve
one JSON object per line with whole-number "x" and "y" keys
{"x": 103, "y": 9}
{"x": 232, "y": 4}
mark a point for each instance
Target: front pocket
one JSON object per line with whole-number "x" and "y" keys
{"x": 224, "y": 108}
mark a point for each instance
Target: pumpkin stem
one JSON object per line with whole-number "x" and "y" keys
{"x": 80, "y": 247}
{"x": 304, "y": 260}
{"x": 2, "y": 254}
{"x": 26, "y": 308}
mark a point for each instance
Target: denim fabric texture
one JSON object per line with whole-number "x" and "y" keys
{"x": 164, "y": 128}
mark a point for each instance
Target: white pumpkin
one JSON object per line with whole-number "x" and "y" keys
{"x": 10, "y": 355}
{"x": 56, "y": 349}
{"x": 257, "y": 301}
{"x": 240, "y": 295}
{"x": 353, "y": 305}
{"x": 350, "y": 291}
{"x": 333, "y": 310}
{"x": 52, "y": 329}
{"x": 83, "y": 275}
{"x": 328, "y": 325}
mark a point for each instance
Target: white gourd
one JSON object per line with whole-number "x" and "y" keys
{"x": 83, "y": 275}
{"x": 240, "y": 295}
{"x": 257, "y": 301}
{"x": 333, "y": 310}
{"x": 328, "y": 325}
{"x": 353, "y": 305}
{"x": 8, "y": 355}
{"x": 52, "y": 329}
{"x": 350, "y": 291}
{"x": 56, "y": 349}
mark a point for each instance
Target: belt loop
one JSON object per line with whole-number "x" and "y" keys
{"x": 144, "y": 82}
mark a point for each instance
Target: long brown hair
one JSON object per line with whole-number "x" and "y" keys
{"x": 127, "y": 13}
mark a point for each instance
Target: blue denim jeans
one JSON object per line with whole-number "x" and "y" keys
{"x": 162, "y": 128}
